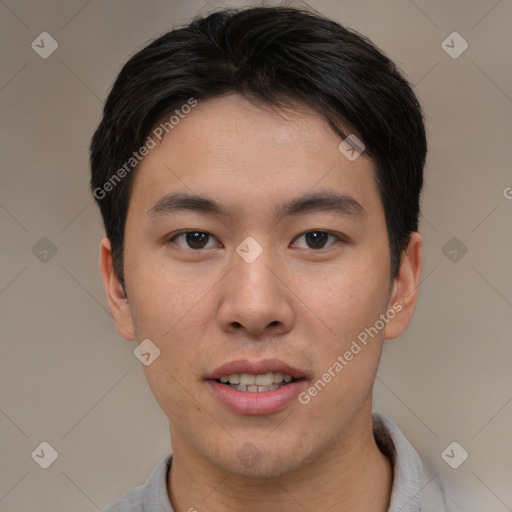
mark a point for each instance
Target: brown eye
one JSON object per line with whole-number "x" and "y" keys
{"x": 193, "y": 239}
{"x": 316, "y": 239}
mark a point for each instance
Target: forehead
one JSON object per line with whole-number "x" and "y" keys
{"x": 251, "y": 154}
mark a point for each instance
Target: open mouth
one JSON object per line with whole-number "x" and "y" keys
{"x": 256, "y": 383}
{"x": 256, "y": 388}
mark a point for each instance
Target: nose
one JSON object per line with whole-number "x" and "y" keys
{"x": 256, "y": 298}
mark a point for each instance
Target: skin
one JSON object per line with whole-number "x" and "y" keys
{"x": 205, "y": 307}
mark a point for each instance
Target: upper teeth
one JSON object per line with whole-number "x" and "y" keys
{"x": 264, "y": 379}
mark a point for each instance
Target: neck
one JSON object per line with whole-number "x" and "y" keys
{"x": 352, "y": 475}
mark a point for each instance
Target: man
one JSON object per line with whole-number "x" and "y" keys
{"x": 259, "y": 174}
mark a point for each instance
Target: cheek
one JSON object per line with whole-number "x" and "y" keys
{"x": 344, "y": 300}
{"x": 173, "y": 309}
{"x": 347, "y": 355}
{"x": 174, "y": 328}
{"x": 165, "y": 297}
{"x": 347, "y": 302}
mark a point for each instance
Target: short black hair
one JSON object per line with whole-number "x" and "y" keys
{"x": 280, "y": 56}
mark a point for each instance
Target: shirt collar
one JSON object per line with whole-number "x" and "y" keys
{"x": 407, "y": 490}
{"x": 156, "y": 496}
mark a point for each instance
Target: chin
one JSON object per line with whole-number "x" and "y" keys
{"x": 261, "y": 459}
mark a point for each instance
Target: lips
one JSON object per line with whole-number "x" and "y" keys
{"x": 252, "y": 400}
{"x": 256, "y": 368}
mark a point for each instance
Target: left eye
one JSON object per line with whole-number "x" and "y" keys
{"x": 194, "y": 239}
{"x": 316, "y": 239}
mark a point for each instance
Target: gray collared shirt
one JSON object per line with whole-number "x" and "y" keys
{"x": 413, "y": 490}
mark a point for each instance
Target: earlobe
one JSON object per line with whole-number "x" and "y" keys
{"x": 404, "y": 293}
{"x": 116, "y": 299}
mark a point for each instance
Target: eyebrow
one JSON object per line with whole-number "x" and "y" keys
{"x": 327, "y": 201}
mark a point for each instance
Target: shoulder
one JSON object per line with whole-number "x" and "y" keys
{"x": 414, "y": 487}
{"x": 435, "y": 496}
{"x": 130, "y": 501}
{"x": 150, "y": 496}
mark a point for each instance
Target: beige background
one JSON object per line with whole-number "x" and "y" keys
{"x": 68, "y": 379}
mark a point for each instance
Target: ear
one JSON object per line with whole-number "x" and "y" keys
{"x": 117, "y": 301}
{"x": 404, "y": 292}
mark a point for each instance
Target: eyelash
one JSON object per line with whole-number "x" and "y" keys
{"x": 177, "y": 235}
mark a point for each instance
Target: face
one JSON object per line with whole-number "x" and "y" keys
{"x": 278, "y": 269}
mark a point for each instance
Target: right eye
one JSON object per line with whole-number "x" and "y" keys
{"x": 195, "y": 240}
